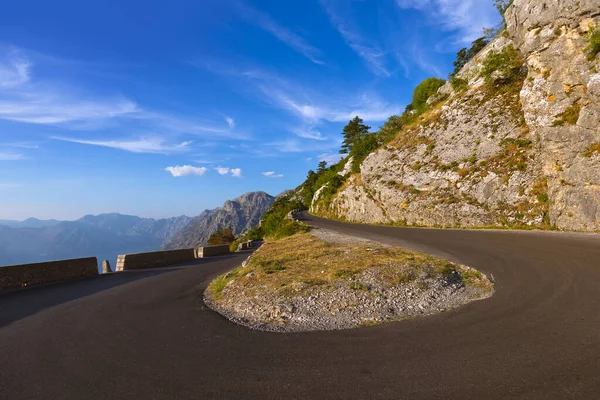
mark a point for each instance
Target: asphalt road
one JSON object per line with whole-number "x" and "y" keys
{"x": 148, "y": 335}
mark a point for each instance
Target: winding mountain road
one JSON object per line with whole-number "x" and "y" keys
{"x": 148, "y": 335}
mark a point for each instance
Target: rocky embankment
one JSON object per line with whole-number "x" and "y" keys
{"x": 513, "y": 141}
{"x": 304, "y": 292}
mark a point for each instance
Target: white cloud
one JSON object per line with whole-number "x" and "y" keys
{"x": 236, "y": 172}
{"x": 186, "y": 170}
{"x": 272, "y": 174}
{"x": 369, "y": 52}
{"x": 10, "y": 156}
{"x": 467, "y": 17}
{"x": 222, "y": 170}
{"x": 152, "y": 145}
{"x": 283, "y": 34}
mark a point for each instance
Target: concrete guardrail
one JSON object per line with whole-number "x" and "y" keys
{"x": 246, "y": 245}
{"x": 211, "y": 251}
{"x": 164, "y": 258}
{"x": 153, "y": 259}
{"x": 16, "y": 276}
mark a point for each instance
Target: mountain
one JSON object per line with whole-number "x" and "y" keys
{"x": 103, "y": 236}
{"x": 29, "y": 223}
{"x": 512, "y": 141}
{"x": 239, "y": 214}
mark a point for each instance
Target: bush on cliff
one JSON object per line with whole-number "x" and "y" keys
{"x": 424, "y": 91}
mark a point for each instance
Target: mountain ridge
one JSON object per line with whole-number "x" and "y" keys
{"x": 239, "y": 214}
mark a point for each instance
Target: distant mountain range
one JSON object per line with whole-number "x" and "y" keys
{"x": 29, "y": 223}
{"x": 107, "y": 235}
{"x": 239, "y": 214}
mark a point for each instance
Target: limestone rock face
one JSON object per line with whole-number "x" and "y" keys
{"x": 238, "y": 214}
{"x": 499, "y": 158}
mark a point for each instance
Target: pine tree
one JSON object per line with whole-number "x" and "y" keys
{"x": 354, "y": 132}
{"x": 321, "y": 167}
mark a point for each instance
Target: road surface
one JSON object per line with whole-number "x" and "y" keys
{"x": 148, "y": 335}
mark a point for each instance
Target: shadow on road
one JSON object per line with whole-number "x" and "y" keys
{"x": 21, "y": 303}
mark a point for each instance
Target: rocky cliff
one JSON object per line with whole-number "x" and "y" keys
{"x": 513, "y": 141}
{"x": 239, "y": 214}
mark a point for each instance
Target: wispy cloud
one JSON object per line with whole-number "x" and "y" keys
{"x": 44, "y": 101}
{"x": 5, "y": 186}
{"x": 331, "y": 158}
{"x": 14, "y": 71}
{"x": 369, "y": 52}
{"x": 21, "y": 145}
{"x": 316, "y": 107}
{"x": 299, "y": 146}
{"x": 11, "y": 156}
{"x": 272, "y": 174}
{"x": 230, "y": 121}
{"x": 186, "y": 170}
{"x": 142, "y": 145}
{"x": 308, "y": 133}
{"x": 466, "y": 17}
{"x": 282, "y": 33}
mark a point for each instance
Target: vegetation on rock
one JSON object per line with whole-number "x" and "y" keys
{"x": 222, "y": 236}
{"x": 593, "y": 40}
{"x": 465, "y": 55}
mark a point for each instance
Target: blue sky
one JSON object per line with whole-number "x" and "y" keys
{"x": 166, "y": 108}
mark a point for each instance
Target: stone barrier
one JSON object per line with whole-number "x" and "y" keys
{"x": 16, "y": 276}
{"x": 246, "y": 245}
{"x": 169, "y": 257}
{"x": 153, "y": 259}
{"x": 211, "y": 251}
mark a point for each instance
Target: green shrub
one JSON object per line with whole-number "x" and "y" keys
{"x": 508, "y": 63}
{"x": 390, "y": 129}
{"x": 424, "y": 91}
{"x": 459, "y": 84}
{"x": 274, "y": 222}
{"x": 593, "y": 40}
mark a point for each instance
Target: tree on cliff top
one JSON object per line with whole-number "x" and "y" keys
{"x": 353, "y": 133}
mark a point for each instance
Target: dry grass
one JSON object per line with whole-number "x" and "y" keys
{"x": 593, "y": 149}
{"x": 302, "y": 261}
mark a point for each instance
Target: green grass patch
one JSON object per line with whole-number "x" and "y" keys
{"x": 569, "y": 117}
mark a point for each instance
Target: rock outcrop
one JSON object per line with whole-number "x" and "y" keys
{"x": 515, "y": 141}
